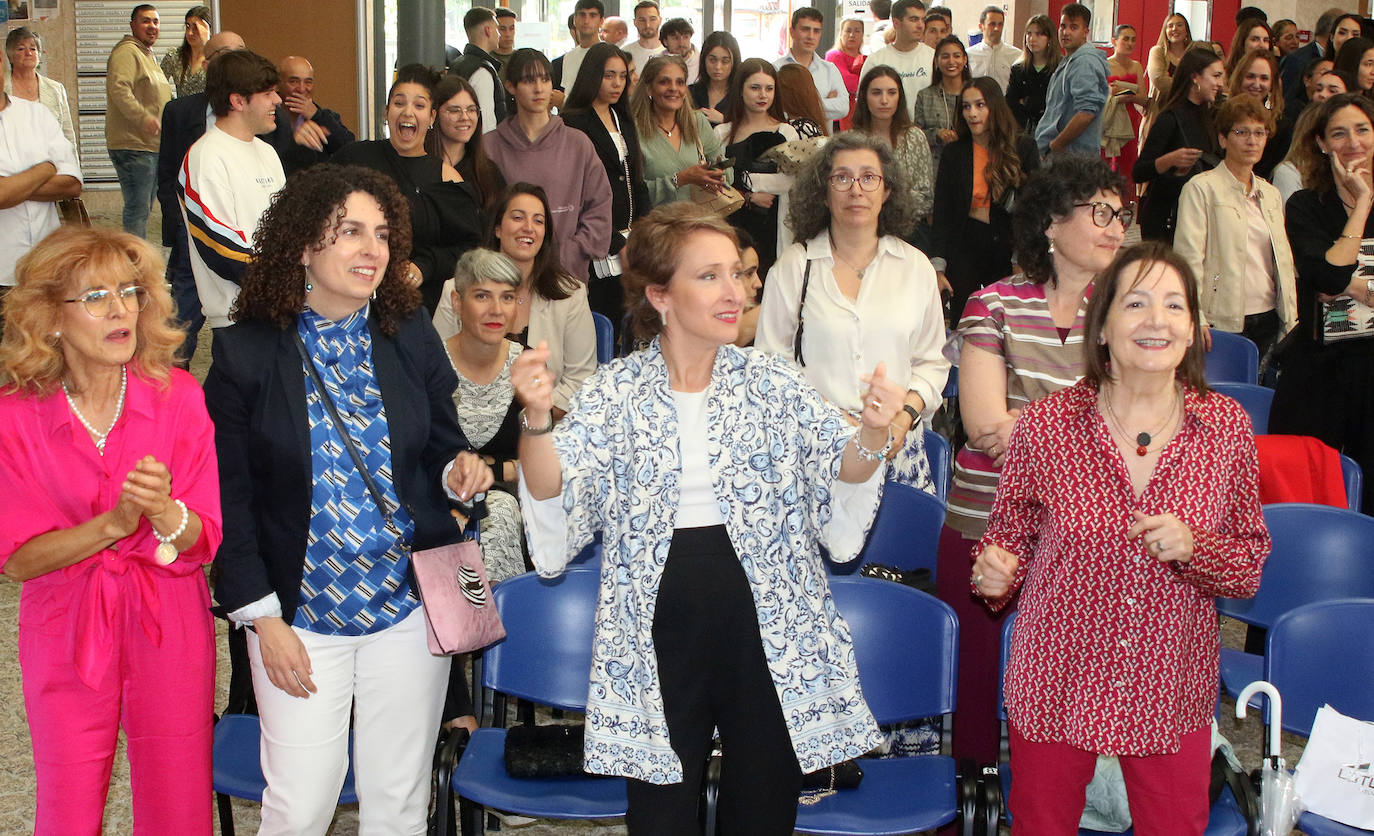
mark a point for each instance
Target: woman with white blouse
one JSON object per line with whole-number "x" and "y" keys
{"x": 851, "y": 293}
{"x": 726, "y": 443}
{"x": 24, "y": 49}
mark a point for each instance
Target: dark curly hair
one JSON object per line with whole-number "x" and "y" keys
{"x": 1050, "y": 193}
{"x": 809, "y": 211}
{"x": 304, "y": 216}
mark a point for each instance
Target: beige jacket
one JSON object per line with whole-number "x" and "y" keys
{"x": 1213, "y": 237}
{"x": 135, "y": 88}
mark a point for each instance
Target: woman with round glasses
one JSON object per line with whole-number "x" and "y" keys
{"x": 1018, "y": 340}
{"x": 1230, "y": 231}
{"x": 114, "y": 512}
{"x": 850, "y": 293}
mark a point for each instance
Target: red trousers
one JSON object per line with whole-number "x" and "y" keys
{"x": 1167, "y": 793}
{"x": 162, "y": 695}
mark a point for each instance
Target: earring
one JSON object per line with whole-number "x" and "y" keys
{"x": 309, "y": 287}
{"x": 1051, "y": 246}
{"x": 663, "y": 318}
{"x": 1101, "y": 340}
{"x": 56, "y": 335}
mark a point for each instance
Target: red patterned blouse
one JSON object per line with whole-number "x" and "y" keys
{"x": 1115, "y": 652}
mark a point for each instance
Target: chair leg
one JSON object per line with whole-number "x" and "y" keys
{"x": 226, "y": 814}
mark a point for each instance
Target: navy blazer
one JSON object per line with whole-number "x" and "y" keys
{"x": 255, "y": 393}
{"x": 588, "y": 122}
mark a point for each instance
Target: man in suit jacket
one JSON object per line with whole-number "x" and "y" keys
{"x": 183, "y": 122}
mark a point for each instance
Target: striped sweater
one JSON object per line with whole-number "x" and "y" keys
{"x": 224, "y": 185}
{"x": 1011, "y": 319}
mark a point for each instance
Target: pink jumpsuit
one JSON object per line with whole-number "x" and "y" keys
{"x": 115, "y": 640}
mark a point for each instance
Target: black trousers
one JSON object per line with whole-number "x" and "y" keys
{"x": 713, "y": 674}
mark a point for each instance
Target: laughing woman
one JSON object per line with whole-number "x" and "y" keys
{"x": 331, "y": 357}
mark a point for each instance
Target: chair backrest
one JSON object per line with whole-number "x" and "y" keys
{"x": 546, "y": 655}
{"x": 1255, "y": 399}
{"x": 1321, "y": 654}
{"x": 1007, "y": 627}
{"x": 951, "y": 389}
{"x": 1233, "y": 359}
{"x": 941, "y": 464}
{"x": 906, "y": 643}
{"x": 905, "y": 534}
{"x": 605, "y": 337}
{"x": 1320, "y": 553}
{"x": 1353, "y": 475}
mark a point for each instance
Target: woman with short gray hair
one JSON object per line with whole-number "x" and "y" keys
{"x": 851, "y": 293}
{"x": 24, "y": 49}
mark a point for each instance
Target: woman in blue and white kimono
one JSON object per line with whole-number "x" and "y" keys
{"x": 715, "y": 474}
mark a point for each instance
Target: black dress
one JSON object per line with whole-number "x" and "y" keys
{"x": 762, "y": 223}
{"x": 1326, "y": 391}
{"x": 1185, "y": 125}
{"x": 700, "y": 98}
{"x": 446, "y": 219}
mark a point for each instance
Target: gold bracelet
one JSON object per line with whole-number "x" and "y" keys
{"x": 1356, "y": 237}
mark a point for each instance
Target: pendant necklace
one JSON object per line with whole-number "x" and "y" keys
{"x": 857, "y": 271}
{"x": 1142, "y": 439}
{"x": 97, "y": 436}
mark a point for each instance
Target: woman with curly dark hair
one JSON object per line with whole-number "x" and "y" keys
{"x": 331, "y": 351}
{"x": 851, "y": 293}
{"x": 445, "y": 222}
{"x": 975, "y": 189}
{"x": 1018, "y": 340}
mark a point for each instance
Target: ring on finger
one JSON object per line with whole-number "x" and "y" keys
{"x": 978, "y": 579}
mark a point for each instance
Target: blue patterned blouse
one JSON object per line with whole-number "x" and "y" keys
{"x": 774, "y": 448}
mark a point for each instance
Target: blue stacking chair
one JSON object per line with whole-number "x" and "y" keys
{"x": 951, "y": 389}
{"x": 1233, "y": 359}
{"x": 1353, "y": 475}
{"x": 906, "y": 644}
{"x": 1316, "y": 655}
{"x": 1320, "y": 553}
{"x": 1226, "y": 818}
{"x": 1254, "y": 398}
{"x": 941, "y": 463}
{"x": 546, "y": 658}
{"x": 905, "y": 534}
{"x": 237, "y": 759}
{"x": 605, "y": 337}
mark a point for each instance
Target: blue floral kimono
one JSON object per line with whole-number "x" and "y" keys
{"x": 774, "y": 448}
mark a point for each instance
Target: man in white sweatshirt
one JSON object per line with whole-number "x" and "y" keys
{"x": 229, "y": 176}
{"x": 911, "y": 59}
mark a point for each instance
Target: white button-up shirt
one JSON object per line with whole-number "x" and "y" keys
{"x": 828, "y": 80}
{"x": 29, "y": 135}
{"x": 993, "y": 61}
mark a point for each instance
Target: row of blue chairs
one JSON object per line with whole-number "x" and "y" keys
{"x": 906, "y": 646}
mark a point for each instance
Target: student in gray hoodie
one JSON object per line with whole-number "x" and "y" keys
{"x": 535, "y": 147}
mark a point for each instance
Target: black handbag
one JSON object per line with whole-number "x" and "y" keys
{"x": 823, "y": 783}
{"x": 549, "y": 751}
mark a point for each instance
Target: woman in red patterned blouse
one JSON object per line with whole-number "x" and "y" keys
{"x": 1128, "y": 502}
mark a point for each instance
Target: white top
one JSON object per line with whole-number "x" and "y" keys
{"x": 913, "y": 66}
{"x": 897, "y": 319}
{"x": 642, "y": 54}
{"x": 828, "y": 81}
{"x": 572, "y": 62}
{"x": 698, "y": 507}
{"x": 1287, "y": 180}
{"x": 29, "y": 135}
{"x": 995, "y": 61}
{"x": 228, "y": 184}
{"x": 877, "y": 38}
{"x": 484, "y": 84}
{"x": 53, "y": 96}
{"x": 693, "y": 62}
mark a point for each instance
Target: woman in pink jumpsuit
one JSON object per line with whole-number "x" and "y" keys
{"x": 113, "y": 510}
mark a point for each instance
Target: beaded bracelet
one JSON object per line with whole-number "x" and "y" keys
{"x": 868, "y": 455}
{"x": 166, "y": 552}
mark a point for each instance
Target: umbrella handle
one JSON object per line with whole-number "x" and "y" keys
{"x": 1276, "y": 710}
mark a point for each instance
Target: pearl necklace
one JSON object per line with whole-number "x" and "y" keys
{"x": 97, "y": 436}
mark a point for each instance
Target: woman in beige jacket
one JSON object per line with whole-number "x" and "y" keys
{"x": 1231, "y": 232}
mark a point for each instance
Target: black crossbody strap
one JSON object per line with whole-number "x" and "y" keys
{"x": 478, "y": 509}
{"x": 801, "y": 317}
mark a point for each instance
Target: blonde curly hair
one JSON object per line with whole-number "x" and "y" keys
{"x": 31, "y": 357}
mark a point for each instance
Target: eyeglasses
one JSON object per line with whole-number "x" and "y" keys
{"x": 1248, "y": 133}
{"x": 99, "y": 303}
{"x": 1103, "y": 213}
{"x": 868, "y": 181}
{"x": 472, "y": 111}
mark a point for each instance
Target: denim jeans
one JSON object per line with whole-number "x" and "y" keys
{"x": 137, "y": 173}
{"x": 184, "y": 294}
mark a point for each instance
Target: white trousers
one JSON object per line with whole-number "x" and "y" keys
{"x": 394, "y": 689}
